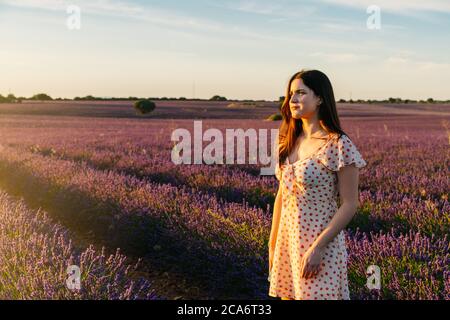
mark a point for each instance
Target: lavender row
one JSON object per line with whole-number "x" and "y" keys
{"x": 393, "y": 253}
{"x": 144, "y": 150}
{"x": 141, "y": 217}
{"x": 401, "y": 177}
{"x": 401, "y": 212}
{"x": 377, "y": 212}
{"x": 35, "y": 253}
{"x": 413, "y": 266}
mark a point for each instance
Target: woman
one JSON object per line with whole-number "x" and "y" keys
{"x": 317, "y": 161}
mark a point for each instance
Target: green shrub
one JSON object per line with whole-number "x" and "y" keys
{"x": 144, "y": 106}
{"x": 218, "y": 98}
{"x": 41, "y": 96}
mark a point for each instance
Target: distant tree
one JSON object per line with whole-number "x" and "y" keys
{"x": 281, "y": 99}
{"x": 395, "y": 100}
{"x": 89, "y": 97}
{"x": 10, "y": 98}
{"x": 41, "y": 96}
{"x": 430, "y": 100}
{"x": 182, "y": 98}
{"x": 144, "y": 106}
{"x": 341, "y": 101}
{"x": 218, "y": 98}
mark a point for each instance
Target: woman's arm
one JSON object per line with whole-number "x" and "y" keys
{"x": 275, "y": 218}
{"x": 348, "y": 191}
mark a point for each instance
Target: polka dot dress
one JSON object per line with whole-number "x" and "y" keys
{"x": 309, "y": 195}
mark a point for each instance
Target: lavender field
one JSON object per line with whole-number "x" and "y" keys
{"x": 80, "y": 180}
{"x": 35, "y": 253}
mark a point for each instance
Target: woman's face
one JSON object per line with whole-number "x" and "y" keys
{"x": 303, "y": 102}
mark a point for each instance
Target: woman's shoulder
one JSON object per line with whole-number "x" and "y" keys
{"x": 336, "y": 136}
{"x": 339, "y": 139}
{"x": 341, "y": 151}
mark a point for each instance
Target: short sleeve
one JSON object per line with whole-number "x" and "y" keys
{"x": 341, "y": 152}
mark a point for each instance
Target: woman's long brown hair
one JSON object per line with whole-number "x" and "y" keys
{"x": 291, "y": 128}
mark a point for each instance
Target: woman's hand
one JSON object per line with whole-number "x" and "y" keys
{"x": 310, "y": 264}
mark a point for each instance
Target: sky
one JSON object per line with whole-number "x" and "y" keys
{"x": 240, "y": 49}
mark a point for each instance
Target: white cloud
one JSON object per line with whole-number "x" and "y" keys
{"x": 118, "y": 8}
{"x": 397, "y": 6}
{"x": 260, "y": 8}
{"x": 180, "y": 23}
{"x": 93, "y": 6}
{"x": 344, "y": 57}
{"x": 405, "y": 63}
{"x": 277, "y": 11}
